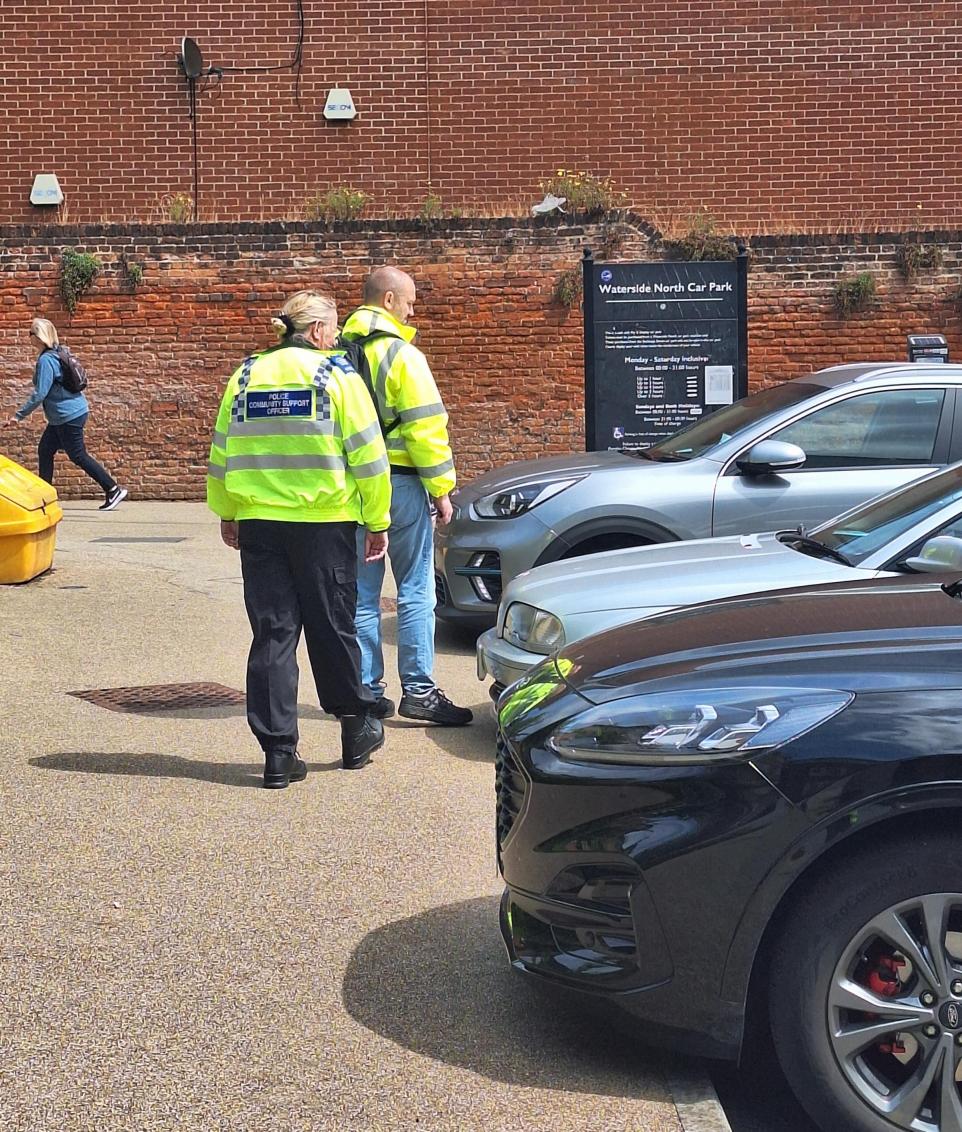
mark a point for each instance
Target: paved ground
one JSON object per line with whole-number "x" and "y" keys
{"x": 182, "y": 949}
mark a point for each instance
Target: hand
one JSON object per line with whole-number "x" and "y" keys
{"x": 444, "y": 509}
{"x": 230, "y": 534}
{"x": 375, "y": 545}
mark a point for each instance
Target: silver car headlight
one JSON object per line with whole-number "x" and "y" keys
{"x": 514, "y": 501}
{"x": 695, "y": 726}
{"x": 531, "y": 629}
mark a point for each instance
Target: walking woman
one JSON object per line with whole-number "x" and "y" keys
{"x": 66, "y": 414}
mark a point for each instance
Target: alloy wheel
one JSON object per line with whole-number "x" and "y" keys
{"x": 895, "y": 1013}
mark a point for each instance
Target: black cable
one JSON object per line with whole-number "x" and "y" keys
{"x": 193, "y": 115}
{"x": 296, "y": 61}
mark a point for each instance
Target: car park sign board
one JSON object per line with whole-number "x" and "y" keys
{"x": 665, "y": 343}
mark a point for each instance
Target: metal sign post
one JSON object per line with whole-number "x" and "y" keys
{"x": 665, "y": 343}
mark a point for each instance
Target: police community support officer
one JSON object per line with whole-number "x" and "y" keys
{"x": 297, "y": 461}
{"x": 422, "y": 469}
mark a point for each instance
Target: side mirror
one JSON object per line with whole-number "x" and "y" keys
{"x": 769, "y": 457}
{"x": 939, "y": 555}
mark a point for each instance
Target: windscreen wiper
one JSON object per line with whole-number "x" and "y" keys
{"x": 812, "y": 546}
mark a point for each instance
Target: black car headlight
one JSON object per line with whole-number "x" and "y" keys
{"x": 696, "y": 726}
{"x": 514, "y": 501}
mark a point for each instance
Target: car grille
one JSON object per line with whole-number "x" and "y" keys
{"x": 511, "y": 787}
{"x": 441, "y": 589}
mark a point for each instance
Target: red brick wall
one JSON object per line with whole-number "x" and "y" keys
{"x": 775, "y": 116}
{"x": 507, "y": 357}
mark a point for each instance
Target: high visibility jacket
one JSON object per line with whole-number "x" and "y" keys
{"x": 297, "y": 439}
{"x": 405, "y": 390}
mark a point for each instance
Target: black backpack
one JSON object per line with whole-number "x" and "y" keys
{"x": 354, "y": 349}
{"x": 73, "y": 376}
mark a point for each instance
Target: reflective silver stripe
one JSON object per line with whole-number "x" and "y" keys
{"x": 380, "y": 378}
{"x": 220, "y": 439}
{"x": 275, "y": 463}
{"x": 215, "y": 471}
{"x": 437, "y": 470}
{"x": 421, "y": 411}
{"x": 395, "y": 444}
{"x": 374, "y": 468}
{"x": 282, "y": 426}
{"x": 365, "y": 436}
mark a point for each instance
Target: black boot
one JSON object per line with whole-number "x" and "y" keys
{"x": 282, "y": 768}
{"x": 361, "y": 735}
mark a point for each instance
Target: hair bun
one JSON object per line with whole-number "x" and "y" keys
{"x": 279, "y": 325}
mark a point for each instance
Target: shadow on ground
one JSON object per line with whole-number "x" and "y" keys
{"x": 474, "y": 743}
{"x": 439, "y": 984}
{"x": 756, "y": 1097}
{"x": 455, "y": 640}
{"x": 230, "y": 711}
{"x": 154, "y": 765}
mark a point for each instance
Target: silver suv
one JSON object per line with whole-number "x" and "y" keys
{"x": 796, "y": 453}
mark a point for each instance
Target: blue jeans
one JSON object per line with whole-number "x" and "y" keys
{"x": 410, "y": 543}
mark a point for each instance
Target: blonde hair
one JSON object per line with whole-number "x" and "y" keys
{"x": 303, "y": 310}
{"x": 45, "y": 330}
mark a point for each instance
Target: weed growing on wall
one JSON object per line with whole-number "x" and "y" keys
{"x": 584, "y": 192}
{"x": 700, "y": 240}
{"x": 432, "y": 208}
{"x": 339, "y": 203}
{"x": 78, "y": 270}
{"x": 131, "y": 273}
{"x": 914, "y": 259}
{"x": 568, "y": 287}
{"x": 176, "y": 208}
{"x": 854, "y": 293}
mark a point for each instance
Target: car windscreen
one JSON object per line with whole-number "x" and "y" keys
{"x": 869, "y": 528}
{"x": 721, "y": 425}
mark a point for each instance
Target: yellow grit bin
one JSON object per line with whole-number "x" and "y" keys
{"x": 29, "y": 514}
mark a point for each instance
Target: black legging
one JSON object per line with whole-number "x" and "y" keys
{"x": 70, "y": 438}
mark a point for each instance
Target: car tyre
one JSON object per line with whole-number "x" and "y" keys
{"x": 840, "y": 932}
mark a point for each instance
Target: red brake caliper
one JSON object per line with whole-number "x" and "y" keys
{"x": 884, "y": 981}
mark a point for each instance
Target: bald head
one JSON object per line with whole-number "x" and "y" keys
{"x": 392, "y": 289}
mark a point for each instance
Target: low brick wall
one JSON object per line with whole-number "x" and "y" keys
{"x": 508, "y": 358}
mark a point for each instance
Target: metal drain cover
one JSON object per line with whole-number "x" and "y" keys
{"x": 162, "y": 697}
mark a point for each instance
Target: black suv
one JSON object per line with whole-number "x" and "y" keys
{"x": 751, "y": 813}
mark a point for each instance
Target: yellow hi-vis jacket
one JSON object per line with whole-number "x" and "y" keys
{"x": 297, "y": 439}
{"x": 405, "y": 390}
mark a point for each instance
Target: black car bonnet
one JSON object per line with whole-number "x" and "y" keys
{"x": 856, "y": 635}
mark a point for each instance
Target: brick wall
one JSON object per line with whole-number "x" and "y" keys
{"x": 508, "y": 358}
{"x": 775, "y": 116}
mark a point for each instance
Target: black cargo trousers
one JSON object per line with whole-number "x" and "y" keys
{"x": 300, "y": 576}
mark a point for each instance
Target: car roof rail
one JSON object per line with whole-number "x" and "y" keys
{"x": 848, "y": 372}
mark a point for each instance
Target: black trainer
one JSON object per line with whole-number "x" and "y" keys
{"x": 282, "y": 768}
{"x": 361, "y": 736}
{"x": 434, "y": 707}
{"x": 115, "y": 497}
{"x": 382, "y": 708}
